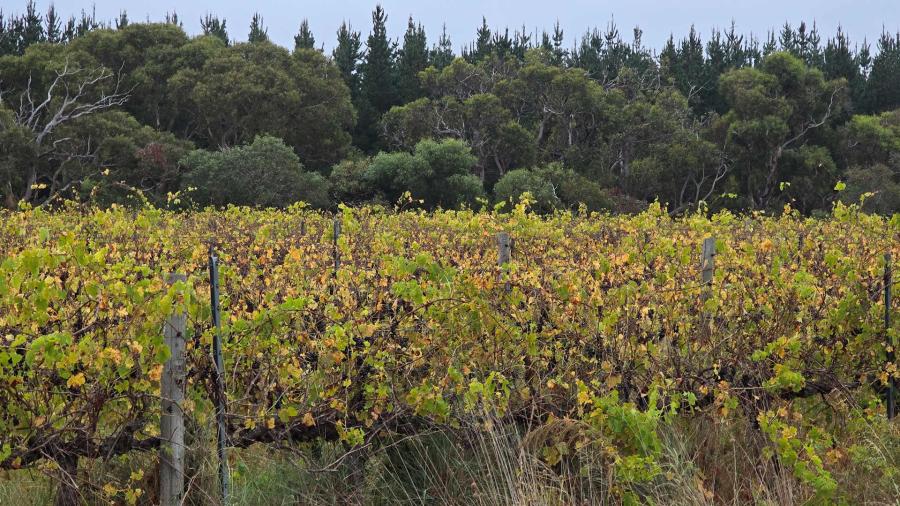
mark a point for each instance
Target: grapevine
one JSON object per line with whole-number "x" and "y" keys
{"x": 598, "y": 319}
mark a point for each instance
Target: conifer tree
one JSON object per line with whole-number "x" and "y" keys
{"x": 32, "y": 28}
{"x": 172, "y": 19}
{"x": 347, "y": 54}
{"x": 882, "y": 88}
{"x": 787, "y": 39}
{"x": 89, "y": 22}
{"x": 838, "y": 61}
{"x": 483, "y": 45}
{"x": 304, "y": 38}
{"x": 411, "y": 59}
{"x": 814, "y": 48}
{"x": 53, "y": 26}
{"x": 258, "y": 31}
{"x": 442, "y": 52}
{"x": 378, "y": 88}
{"x": 558, "y": 53}
{"x": 521, "y": 43}
{"x": 69, "y": 32}
{"x": 7, "y": 39}
{"x": 122, "y": 20}
{"x": 211, "y": 25}
{"x": 770, "y": 46}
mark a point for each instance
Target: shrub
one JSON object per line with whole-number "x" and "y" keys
{"x": 553, "y": 186}
{"x": 348, "y": 182}
{"x": 266, "y": 173}
{"x": 437, "y": 172}
{"x": 516, "y": 182}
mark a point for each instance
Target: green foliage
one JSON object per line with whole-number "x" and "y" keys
{"x": 437, "y": 172}
{"x": 253, "y": 89}
{"x": 411, "y": 59}
{"x": 727, "y": 122}
{"x": 418, "y": 327}
{"x": 304, "y": 38}
{"x": 514, "y": 184}
{"x": 877, "y": 186}
{"x": 552, "y": 187}
{"x": 881, "y": 90}
{"x": 378, "y": 86}
{"x": 214, "y": 27}
{"x": 348, "y": 182}
{"x": 773, "y": 109}
{"x": 573, "y": 189}
{"x": 258, "y": 31}
{"x": 265, "y": 173}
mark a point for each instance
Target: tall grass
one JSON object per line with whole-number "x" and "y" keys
{"x": 492, "y": 462}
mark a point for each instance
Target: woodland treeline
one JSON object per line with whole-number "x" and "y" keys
{"x": 123, "y": 112}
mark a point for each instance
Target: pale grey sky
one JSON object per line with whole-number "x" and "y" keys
{"x": 657, "y": 18}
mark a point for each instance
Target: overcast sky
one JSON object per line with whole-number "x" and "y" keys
{"x": 657, "y": 18}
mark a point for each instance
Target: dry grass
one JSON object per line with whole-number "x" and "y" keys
{"x": 491, "y": 463}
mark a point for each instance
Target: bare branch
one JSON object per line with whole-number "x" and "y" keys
{"x": 73, "y": 92}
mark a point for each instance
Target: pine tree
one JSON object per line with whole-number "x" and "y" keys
{"x": 52, "y": 24}
{"x": 88, "y": 23}
{"x": 7, "y": 38}
{"x": 770, "y": 46}
{"x": 735, "y": 50}
{"x": 502, "y": 44}
{"x": 122, "y": 21}
{"x": 814, "y": 48}
{"x": 752, "y": 51}
{"x": 668, "y": 60}
{"x": 787, "y": 40}
{"x": 521, "y": 43}
{"x": 558, "y": 54}
{"x": 882, "y": 89}
{"x": 378, "y": 65}
{"x": 347, "y": 54}
{"x": 801, "y": 42}
{"x": 32, "y": 28}
{"x": 172, "y": 19}
{"x": 304, "y": 38}
{"x": 638, "y": 57}
{"x": 378, "y": 90}
{"x": 693, "y": 66}
{"x": 16, "y": 30}
{"x": 716, "y": 54}
{"x": 69, "y": 32}
{"x": 442, "y": 53}
{"x": 412, "y": 59}
{"x": 258, "y": 31}
{"x": 614, "y": 54}
{"x": 587, "y": 55}
{"x": 864, "y": 58}
{"x": 483, "y": 45}
{"x": 723, "y": 53}
{"x": 211, "y": 25}
{"x": 838, "y": 61}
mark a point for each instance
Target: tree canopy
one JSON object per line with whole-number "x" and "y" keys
{"x": 718, "y": 121}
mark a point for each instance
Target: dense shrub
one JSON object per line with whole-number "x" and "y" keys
{"x": 439, "y": 173}
{"x": 266, "y": 173}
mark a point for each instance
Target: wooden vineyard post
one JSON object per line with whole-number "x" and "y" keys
{"x": 171, "y": 423}
{"x": 504, "y": 252}
{"x": 708, "y": 265}
{"x": 337, "y": 252}
{"x": 709, "y": 253}
{"x": 224, "y": 477}
{"x": 892, "y": 382}
{"x": 504, "y": 248}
